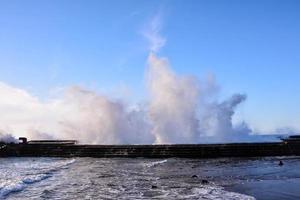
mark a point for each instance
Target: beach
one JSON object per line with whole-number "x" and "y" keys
{"x": 95, "y": 178}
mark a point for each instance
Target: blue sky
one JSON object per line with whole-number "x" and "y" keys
{"x": 252, "y": 47}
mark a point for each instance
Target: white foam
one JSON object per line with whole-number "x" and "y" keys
{"x": 9, "y": 187}
{"x": 35, "y": 178}
{"x": 19, "y": 183}
{"x": 153, "y": 164}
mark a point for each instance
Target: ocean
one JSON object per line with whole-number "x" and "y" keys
{"x": 103, "y": 178}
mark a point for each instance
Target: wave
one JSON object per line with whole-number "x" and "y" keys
{"x": 153, "y": 164}
{"x": 46, "y": 171}
{"x": 36, "y": 178}
{"x": 10, "y": 187}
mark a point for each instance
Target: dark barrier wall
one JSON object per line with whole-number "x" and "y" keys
{"x": 153, "y": 151}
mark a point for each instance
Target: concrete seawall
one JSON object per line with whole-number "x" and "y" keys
{"x": 152, "y": 151}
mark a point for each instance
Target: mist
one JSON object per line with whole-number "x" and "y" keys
{"x": 180, "y": 109}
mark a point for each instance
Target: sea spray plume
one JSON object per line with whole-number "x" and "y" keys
{"x": 173, "y": 103}
{"x": 182, "y": 110}
{"x": 217, "y": 120}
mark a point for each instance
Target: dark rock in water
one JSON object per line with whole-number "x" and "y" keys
{"x": 280, "y": 163}
{"x": 154, "y": 187}
{"x": 194, "y": 176}
{"x": 47, "y": 194}
{"x": 204, "y": 181}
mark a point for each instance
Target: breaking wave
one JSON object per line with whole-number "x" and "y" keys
{"x": 15, "y": 181}
{"x": 153, "y": 164}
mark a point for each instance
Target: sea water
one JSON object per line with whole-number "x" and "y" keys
{"x": 103, "y": 178}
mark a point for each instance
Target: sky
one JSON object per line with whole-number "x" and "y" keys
{"x": 251, "y": 47}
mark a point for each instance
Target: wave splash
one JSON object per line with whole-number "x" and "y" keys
{"x": 180, "y": 109}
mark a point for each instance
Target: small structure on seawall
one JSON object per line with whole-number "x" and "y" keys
{"x": 47, "y": 142}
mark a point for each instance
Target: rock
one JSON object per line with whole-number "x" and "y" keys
{"x": 154, "y": 187}
{"x": 194, "y": 176}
